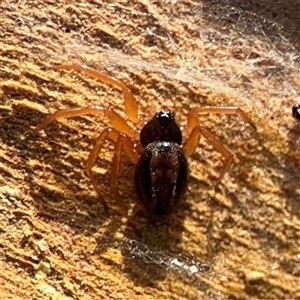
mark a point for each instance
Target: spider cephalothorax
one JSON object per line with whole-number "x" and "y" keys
{"x": 162, "y": 127}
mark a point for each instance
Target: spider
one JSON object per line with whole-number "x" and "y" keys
{"x": 160, "y": 155}
{"x": 296, "y": 112}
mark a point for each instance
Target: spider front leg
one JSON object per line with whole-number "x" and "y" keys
{"x": 129, "y": 100}
{"x": 227, "y": 110}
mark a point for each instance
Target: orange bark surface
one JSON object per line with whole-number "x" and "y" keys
{"x": 238, "y": 241}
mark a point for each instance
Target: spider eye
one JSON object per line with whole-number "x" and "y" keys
{"x": 164, "y": 115}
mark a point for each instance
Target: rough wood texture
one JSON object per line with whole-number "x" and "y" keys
{"x": 239, "y": 241}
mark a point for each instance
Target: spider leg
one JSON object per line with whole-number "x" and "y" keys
{"x": 120, "y": 142}
{"x": 114, "y": 181}
{"x": 115, "y": 136}
{"x": 116, "y": 121}
{"x": 91, "y": 161}
{"x": 131, "y": 150}
{"x": 129, "y": 100}
{"x": 192, "y": 143}
{"x": 228, "y": 110}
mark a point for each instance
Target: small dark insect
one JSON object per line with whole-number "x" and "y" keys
{"x": 157, "y": 149}
{"x": 296, "y": 111}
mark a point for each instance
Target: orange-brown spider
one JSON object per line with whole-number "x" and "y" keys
{"x": 161, "y": 167}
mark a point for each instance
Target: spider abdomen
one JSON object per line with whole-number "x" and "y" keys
{"x": 161, "y": 177}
